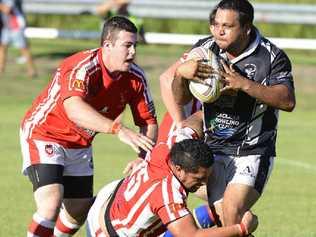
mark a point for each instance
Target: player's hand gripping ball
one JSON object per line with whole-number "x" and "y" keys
{"x": 209, "y": 92}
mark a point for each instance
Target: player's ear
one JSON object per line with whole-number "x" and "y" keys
{"x": 248, "y": 29}
{"x": 178, "y": 168}
{"x": 212, "y": 29}
{"x": 178, "y": 171}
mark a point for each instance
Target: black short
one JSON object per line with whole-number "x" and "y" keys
{"x": 74, "y": 186}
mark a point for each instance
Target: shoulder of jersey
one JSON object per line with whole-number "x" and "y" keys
{"x": 137, "y": 71}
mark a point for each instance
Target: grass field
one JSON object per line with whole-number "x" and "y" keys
{"x": 285, "y": 210}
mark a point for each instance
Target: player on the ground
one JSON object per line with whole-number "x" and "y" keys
{"x": 153, "y": 198}
{"x": 87, "y": 94}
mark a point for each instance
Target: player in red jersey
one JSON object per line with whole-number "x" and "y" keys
{"x": 87, "y": 94}
{"x": 153, "y": 198}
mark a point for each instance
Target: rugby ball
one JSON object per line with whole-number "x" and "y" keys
{"x": 206, "y": 93}
{"x": 209, "y": 92}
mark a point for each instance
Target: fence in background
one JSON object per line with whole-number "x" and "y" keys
{"x": 172, "y": 9}
{"x": 158, "y": 38}
{"x": 178, "y": 9}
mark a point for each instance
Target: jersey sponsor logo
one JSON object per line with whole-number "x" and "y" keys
{"x": 49, "y": 149}
{"x": 79, "y": 85}
{"x": 250, "y": 70}
{"x": 223, "y": 125}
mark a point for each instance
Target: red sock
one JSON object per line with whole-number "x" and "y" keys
{"x": 40, "y": 227}
{"x": 63, "y": 227}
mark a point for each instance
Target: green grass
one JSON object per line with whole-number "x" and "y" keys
{"x": 287, "y": 206}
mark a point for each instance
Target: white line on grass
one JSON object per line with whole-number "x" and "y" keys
{"x": 296, "y": 164}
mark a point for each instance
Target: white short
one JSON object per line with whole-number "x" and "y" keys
{"x": 103, "y": 196}
{"x": 76, "y": 162}
{"x": 252, "y": 170}
{"x": 16, "y": 38}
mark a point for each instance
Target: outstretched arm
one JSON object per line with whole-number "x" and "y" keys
{"x": 82, "y": 114}
{"x": 186, "y": 227}
{"x": 175, "y": 110}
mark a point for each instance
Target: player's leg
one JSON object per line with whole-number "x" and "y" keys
{"x": 48, "y": 192}
{"x": 43, "y": 163}
{"x": 216, "y": 185}
{"x": 78, "y": 194}
{"x": 76, "y": 204}
{"x": 3, "y": 57}
{"x": 238, "y": 198}
{"x": 103, "y": 196}
{"x": 4, "y": 42}
{"x": 245, "y": 186}
{"x": 31, "y": 71}
{"x": 21, "y": 42}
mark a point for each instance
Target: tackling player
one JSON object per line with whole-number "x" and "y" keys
{"x": 87, "y": 94}
{"x": 154, "y": 196}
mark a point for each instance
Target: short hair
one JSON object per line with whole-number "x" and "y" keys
{"x": 242, "y": 7}
{"x": 212, "y": 15}
{"x": 114, "y": 25}
{"x": 191, "y": 154}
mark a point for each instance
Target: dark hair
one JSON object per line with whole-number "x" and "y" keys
{"x": 242, "y": 7}
{"x": 212, "y": 15}
{"x": 191, "y": 154}
{"x": 114, "y": 25}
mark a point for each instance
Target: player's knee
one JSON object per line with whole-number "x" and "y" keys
{"x": 49, "y": 212}
{"x": 77, "y": 209}
{"x": 203, "y": 216}
{"x": 48, "y": 205}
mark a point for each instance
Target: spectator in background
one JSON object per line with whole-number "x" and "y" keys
{"x": 0, "y": 18}
{"x": 12, "y": 32}
{"x": 87, "y": 94}
{"x": 120, "y": 7}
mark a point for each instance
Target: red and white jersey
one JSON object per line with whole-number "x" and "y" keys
{"x": 149, "y": 199}
{"x": 84, "y": 74}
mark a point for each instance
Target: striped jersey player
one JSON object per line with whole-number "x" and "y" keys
{"x": 153, "y": 198}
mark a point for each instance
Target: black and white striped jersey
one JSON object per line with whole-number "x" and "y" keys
{"x": 238, "y": 124}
